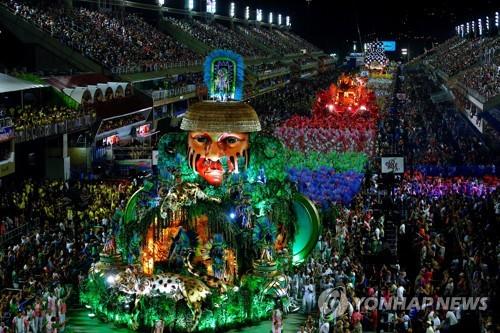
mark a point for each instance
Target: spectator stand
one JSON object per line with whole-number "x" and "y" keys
{"x": 170, "y": 89}
{"x": 31, "y": 116}
{"x": 214, "y": 35}
{"x": 122, "y": 46}
{"x": 25, "y": 29}
{"x": 125, "y": 141}
{"x": 7, "y": 146}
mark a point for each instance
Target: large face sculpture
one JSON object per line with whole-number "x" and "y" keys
{"x": 212, "y": 154}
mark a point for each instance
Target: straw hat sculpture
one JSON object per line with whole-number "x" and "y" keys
{"x": 214, "y": 116}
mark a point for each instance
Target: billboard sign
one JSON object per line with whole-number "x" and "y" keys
{"x": 6, "y": 133}
{"x": 389, "y": 45}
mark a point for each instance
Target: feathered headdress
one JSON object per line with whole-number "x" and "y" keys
{"x": 224, "y": 74}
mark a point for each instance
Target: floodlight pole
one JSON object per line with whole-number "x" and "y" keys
{"x": 359, "y": 32}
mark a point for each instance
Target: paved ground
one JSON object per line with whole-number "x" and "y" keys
{"x": 80, "y": 322}
{"x": 292, "y": 324}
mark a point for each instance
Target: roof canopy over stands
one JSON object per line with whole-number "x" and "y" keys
{"x": 9, "y": 84}
{"x": 90, "y": 87}
{"x": 79, "y": 94}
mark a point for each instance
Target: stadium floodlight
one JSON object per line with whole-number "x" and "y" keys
{"x": 480, "y": 26}
{"x": 247, "y": 13}
{"x": 211, "y": 5}
{"x": 259, "y": 15}
{"x": 271, "y": 18}
{"x": 279, "y": 19}
{"x": 161, "y": 3}
{"x": 462, "y": 29}
{"x": 232, "y": 9}
{"x": 487, "y": 20}
{"x": 288, "y": 23}
{"x": 496, "y": 19}
{"x": 473, "y": 24}
{"x": 190, "y": 4}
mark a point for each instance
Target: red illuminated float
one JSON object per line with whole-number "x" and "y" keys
{"x": 344, "y": 118}
{"x": 349, "y": 95}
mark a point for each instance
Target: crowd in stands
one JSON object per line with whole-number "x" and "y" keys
{"x": 272, "y": 82}
{"x": 267, "y": 68}
{"x": 130, "y": 44}
{"x": 458, "y": 54}
{"x": 114, "y": 123}
{"x": 272, "y": 39}
{"x": 303, "y": 44}
{"x": 485, "y": 78}
{"x": 182, "y": 80}
{"x": 133, "y": 153}
{"x": 305, "y": 60}
{"x": 68, "y": 223}
{"x": 217, "y": 36}
{"x": 434, "y": 134}
{"x": 173, "y": 85}
{"x": 31, "y": 116}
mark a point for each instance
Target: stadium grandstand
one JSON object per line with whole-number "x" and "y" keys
{"x": 170, "y": 166}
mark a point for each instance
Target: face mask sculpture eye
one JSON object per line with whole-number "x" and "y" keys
{"x": 218, "y": 140}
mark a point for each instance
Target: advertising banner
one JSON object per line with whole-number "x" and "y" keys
{"x": 6, "y": 133}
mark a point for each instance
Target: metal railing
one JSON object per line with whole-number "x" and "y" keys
{"x": 15, "y": 233}
{"x": 308, "y": 65}
{"x": 262, "y": 75}
{"x": 132, "y": 153}
{"x": 169, "y": 93}
{"x": 476, "y": 95}
{"x": 62, "y": 127}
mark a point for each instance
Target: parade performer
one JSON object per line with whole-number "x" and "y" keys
{"x": 277, "y": 321}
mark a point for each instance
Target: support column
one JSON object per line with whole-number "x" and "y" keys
{"x": 65, "y": 157}
{"x": 57, "y": 160}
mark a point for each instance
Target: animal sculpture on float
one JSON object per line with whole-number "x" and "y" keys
{"x": 169, "y": 285}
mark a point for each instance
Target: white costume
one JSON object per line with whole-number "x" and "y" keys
{"x": 309, "y": 297}
{"x": 277, "y": 321}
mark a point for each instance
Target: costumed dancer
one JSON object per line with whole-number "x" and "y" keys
{"x": 296, "y": 282}
{"x": 38, "y": 316}
{"x": 159, "y": 326}
{"x": 277, "y": 321}
{"x": 61, "y": 305}
{"x": 309, "y": 296}
{"x": 31, "y": 319}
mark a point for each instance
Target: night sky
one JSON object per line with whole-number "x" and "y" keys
{"x": 331, "y": 24}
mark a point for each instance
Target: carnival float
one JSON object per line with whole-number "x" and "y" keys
{"x": 207, "y": 243}
{"x": 375, "y": 58}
